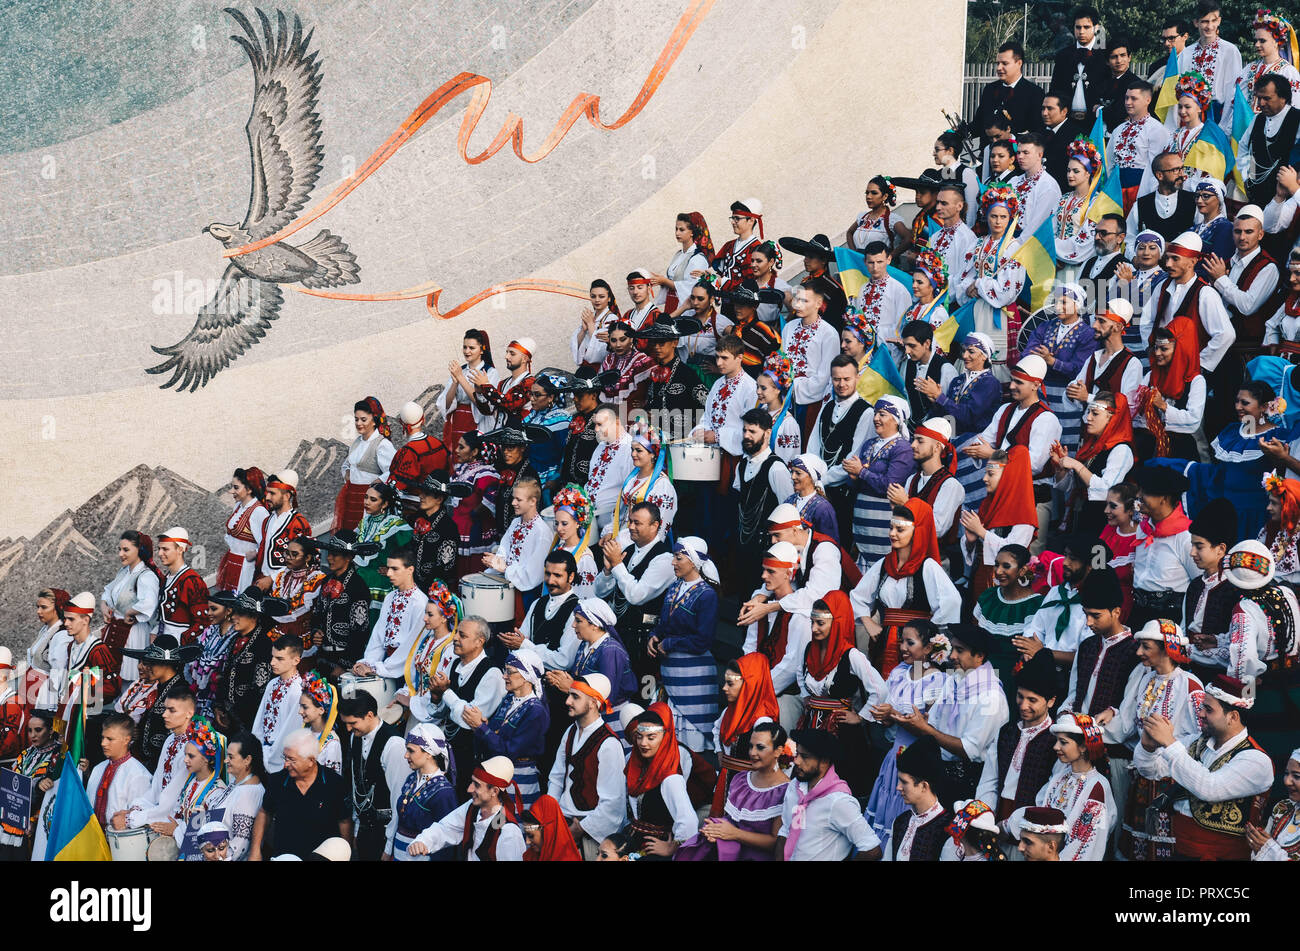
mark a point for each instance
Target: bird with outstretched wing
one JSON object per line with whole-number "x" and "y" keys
{"x": 284, "y": 147}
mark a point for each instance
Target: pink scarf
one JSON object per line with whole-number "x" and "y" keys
{"x": 830, "y": 783}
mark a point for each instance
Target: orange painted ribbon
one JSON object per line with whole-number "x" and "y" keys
{"x": 512, "y": 130}
{"x": 430, "y": 292}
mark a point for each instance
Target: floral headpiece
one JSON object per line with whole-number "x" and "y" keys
{"x": 780, "y": 368}
{"x": 1003, "y": 195}
{"x": 940, "y": 648}
{"x": 318, "y": 689}
{"x": 887, "y": 187}
{"x": 1287, "y": 492}
{"x": 1176, "y": 643}
{"x": 206, "y": 740}
{"x": 1085, "y": 153}
{"x": 934, "y": 268}
{"x": 1093, "y": 741}
{"x": 1281, "y": 30}
{"x": 856, "y": 323}
{"x": 447, "y": 602}
{"x": 1275, "y": 411}
{"x": 1195, "y": 85}
{"x": 574, "y": 500}
{"x": 964, "y": 816}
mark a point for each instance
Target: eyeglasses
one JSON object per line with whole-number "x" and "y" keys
{"x": 734, "y": 218}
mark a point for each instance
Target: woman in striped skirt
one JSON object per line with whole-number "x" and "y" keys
{"x": 1065, "y": 342}
{"x": 971, "y": 400}
{"x": 883, "y": 460}
{"x": 683, "y": 641}
{"x": 517, "y": 728}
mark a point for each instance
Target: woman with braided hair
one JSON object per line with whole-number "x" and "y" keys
{"x": 368, "y": 459}
{"x": 1073, "y": 231}
{"x": 691, "y": 260}
{"x": 876, "y": 223}
{"x": 205, "y": 753}
{"x": 993, "y": 276}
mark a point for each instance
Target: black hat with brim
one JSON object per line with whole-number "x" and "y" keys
{"x": 929, "y": 180}
{"x": 165, "y": 649}
{"x": 818, "y": 247}
{"x": 665, "y": 328}
{"x": 819, "y": 743}
{"x": 525, "y": 434}
{"x": 749, "y": 294}
{"x": 588, "y": 379}
{"x": 344, "y": 542}
{"x": 457, "y": 490}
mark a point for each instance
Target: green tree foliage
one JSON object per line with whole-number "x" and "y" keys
{"x": 991, "y": 23}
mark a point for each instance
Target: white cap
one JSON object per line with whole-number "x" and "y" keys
{"x": 1119, "y": 307}
{"x": 785, "y": 553}
{"x": 526, "y": 344}
{"x": 642, "y": 272}
{"x": 176, "y": 534}
{"x": 6, "y": 658}
{"x": 1244, "y": 565}
{"x": 288, "y": 476}
{"x": 1032, "y": 366}
{"x": 599, "y": 683}
{"x": 83, "y": 603}
{"x": 628, "y": 713}
{"x": 983, "y": 821}
{"x": 1252, "y": 211}
{"x": 753, "y": 204}
{"x": 1151, "y": 631}
{"x": 1189, "y": 241}
{"x": 412, "y": 413}
{"x": 939, "y": 425}
{"x": 502, "y": 767}
{"x": 784, "y": 514}
{"x": 334, "y": 849}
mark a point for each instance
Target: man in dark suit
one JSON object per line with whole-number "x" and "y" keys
{"x": 1012, "y": 93}
{"x": 1061, "y": 130}
{"x": 1065, "y": 73}
{"x": 1118, "y": 79}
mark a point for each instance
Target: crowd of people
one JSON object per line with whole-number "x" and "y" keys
{"x": 714, "y": 591}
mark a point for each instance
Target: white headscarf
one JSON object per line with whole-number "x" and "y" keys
{"x": 901, "y": 409}
{"x": 529, "y": 665}
{"x": 697, "y": 550}
{"x": 814, "y": 465}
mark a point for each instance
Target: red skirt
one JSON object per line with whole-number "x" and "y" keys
{"x": 228, "y": 572}
{"x": 349, "y": 507}
{"x": 893, "y": 621}
{"x": 115, "y": 634}
{"x": 460, "y": 422}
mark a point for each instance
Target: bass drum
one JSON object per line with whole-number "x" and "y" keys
{"x": 130, "y": 845}
{"x": 163, "y": 849}
{"x": 1038, "y": 317}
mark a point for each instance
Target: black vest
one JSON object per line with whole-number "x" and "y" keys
{"x": 371, "y": 796}
{"x": 837, "y": 439}
{"x": 845, "y": 684}
{"x": 1270, "y": 155}
{"x": 1035, "y": 768}
{"x": 921, "y": 405}
{"x": 617, "y": 602}
{"x": 1168, "y": 228}
{"x": 470, "y": 684}
{"x": 548, "y": 632}
{"x": 756, "y": 499}
{"x": 929, "y": 839}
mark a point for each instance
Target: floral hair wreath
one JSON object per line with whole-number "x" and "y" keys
{"x": 934, "y": 268}
{"x": 447, "y": 603}
{"x": 573, "y": 498}
{"x": 1278, "y": 27}
{"x": 316, "y": 687}
{"x": 1275, "y": 411}
{"x": 1272, "y": 483}
{"x": 1085, "y": 153}
{"x": 1194, "y": 84}
{"x": 862, "y": 327}
{"x": 1003, "y": 195}
{"x": 780, "y": 368}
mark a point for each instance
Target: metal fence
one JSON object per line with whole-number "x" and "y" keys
{"x": 978, "y": 75}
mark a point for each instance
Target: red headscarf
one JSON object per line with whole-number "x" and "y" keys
{"x": 1287, "y": 492}
{"x": 1119, "y": 430}
{"x": 642, "y": 776}
{"x": 925, "y": 541}
{"x": 1172, "y": 381}
{"x": 61, "y": 601}
{"x": 1012, "y": 503}
{"x": 705, "y": 240}
{"x": 557, "y": 840}
{"x": 824, "y": 656}
{"x": 757, "y": 699}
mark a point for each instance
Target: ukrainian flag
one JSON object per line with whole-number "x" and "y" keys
{"x": 1242, "y": 113}
{"x": 1108, "y": 199}
{"x": 1212, "y": 153}
{"x": 75, "y": 835}
{"x": 954, "y": 330}
{"x": 880, "y": 377}
{"x": 1037, "y": 253}
{"x": 1168, "y": 97}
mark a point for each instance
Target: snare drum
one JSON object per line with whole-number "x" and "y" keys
{"x": 383, "y": 689}
{"x": 130, "y": 845}
{"x": 490, "y": 597}
{"x": 695, "y": 462}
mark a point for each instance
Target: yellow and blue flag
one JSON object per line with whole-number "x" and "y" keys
{"x": 1212, "y": 153}
{"x": 75, "y": 834}
{"x": 1242, "y": 113}
{"x": 1108, "y": 199}
{"x": 1168, "y": 97}
{"x": 1037, "y": 252}
{"x": 880, "y": 377}
{"x": 949, "y": 335}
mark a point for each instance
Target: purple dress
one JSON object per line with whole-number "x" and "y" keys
{"x": 819, "y": 513}
{"x": 748, "y": 808}
{"x": 1071, "y": 350}
{"x": 883, "y": 464}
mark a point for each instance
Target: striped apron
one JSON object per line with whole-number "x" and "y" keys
{"x": 690, "y": 684}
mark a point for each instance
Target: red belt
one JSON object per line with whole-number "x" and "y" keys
{"x": 1206, "y": 845}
